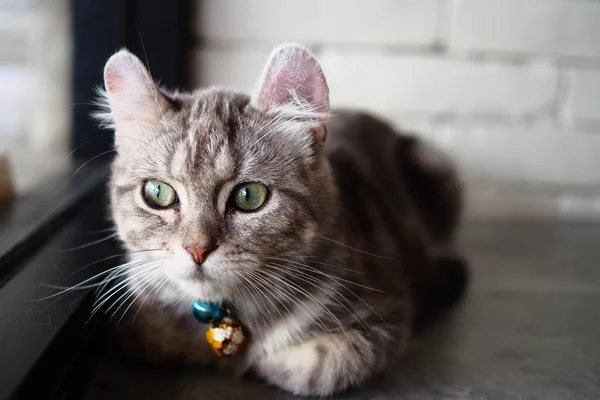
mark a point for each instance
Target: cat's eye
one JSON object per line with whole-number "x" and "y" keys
{"x": 159, "y": 194}
{"x": 249, "y": 196}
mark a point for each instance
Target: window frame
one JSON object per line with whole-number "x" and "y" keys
{"x": 52, "y": 353}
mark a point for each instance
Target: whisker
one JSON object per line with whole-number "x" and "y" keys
{"x": 149, "y": 283}
{"x": 122, "y": 300}
{"x": 89, "y": 161}
{"x": 251, "y": 294}
{"x": 313, "y": 281}
{"x": 109, "y": 278}
{"x": 157, "y": 291}
{"x": 337, "y": 278}
{"x": 74, "y": 287}
{"x": 76, "y": 149}
{"x": 154, "y": 290}
{"x": 118, "y": 269}
{"x": 297, "y": 302}
{"x": 308, "y": 294}
{"x": 355, "y": 249}
{"x": 361, "y": 299}
{"x": 273, "y": 256}
{"x": 86, "y": 245}
{"x": 262, "y": 294}
{"x": 101, "y": 230}
{"x": 116, "y": 289}
{"x": 267, "y": 286}
{"x": 132, "y": 275}
{"x": 109, "y": 258}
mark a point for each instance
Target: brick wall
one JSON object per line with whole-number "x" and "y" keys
{"x": 511, "y": 88}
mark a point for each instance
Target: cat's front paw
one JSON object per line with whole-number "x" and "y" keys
{"x": 322, "y": 366}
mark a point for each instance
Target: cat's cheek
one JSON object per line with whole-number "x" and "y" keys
{"x": 252, "y": 229}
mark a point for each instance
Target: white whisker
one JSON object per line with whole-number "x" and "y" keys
{"x": 313, "y": 281}
{"x": 258, "y": 308}
{"x": 308, "y": 294}
{"x": 314, "y": 262}
{"x": 250, "y": 276}
{"x": 78, "y": 286}
{"x": 150, "y": 282}
{"x": 86, "y": 245}
{"x": 355, "y": 249}
{"x": 297, "y": 302}
{"x": 317, "y": 271}
{"x": 117, "y": 288}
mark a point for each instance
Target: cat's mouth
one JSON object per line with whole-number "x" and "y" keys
{"x": 198, "y": 274}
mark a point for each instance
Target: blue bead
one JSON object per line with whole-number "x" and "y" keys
{"x": 207, "y": 312}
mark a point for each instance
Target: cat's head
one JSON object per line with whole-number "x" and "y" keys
{"x": 217, "y": 186}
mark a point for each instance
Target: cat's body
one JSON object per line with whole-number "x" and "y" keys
{"x": 348, "y": 256}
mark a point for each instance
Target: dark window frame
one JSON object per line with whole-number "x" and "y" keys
{"x": 48, "y": 352}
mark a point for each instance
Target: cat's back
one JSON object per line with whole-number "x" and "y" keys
{"x": 362, "y": 146}
{"x": 357, "y": 133}
{"x": 380, "y": 168}
{"x": 362, "y": 152}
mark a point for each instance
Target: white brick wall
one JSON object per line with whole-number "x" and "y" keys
{"x": 389, "y": 83}
{"x": 239, "y": 68}
{"x": 584, "y": 99}
{"x": 556, "y": 27}
{"x": 316, "y": 21}
{"x": 511, "y": 88}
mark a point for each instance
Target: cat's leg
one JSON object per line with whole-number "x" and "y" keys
{"x": 331, "y": 363}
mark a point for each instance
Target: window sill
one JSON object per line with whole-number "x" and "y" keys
{"x": 44, "y": 343}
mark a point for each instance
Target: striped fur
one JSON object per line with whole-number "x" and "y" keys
{"x": 331, "y": 277}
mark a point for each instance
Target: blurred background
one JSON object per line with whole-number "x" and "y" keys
{"x": 35, "y": 76}
{"x": 510, "y": 88}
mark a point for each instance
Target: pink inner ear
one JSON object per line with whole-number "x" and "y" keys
{"x": 127, "y": 78}
{"x": 293, "y": 72}
{"x": 112, "y": 82}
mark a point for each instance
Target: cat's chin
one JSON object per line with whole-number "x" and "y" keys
{"x": 201, "y": 289}
{"x": 197, "y": 275}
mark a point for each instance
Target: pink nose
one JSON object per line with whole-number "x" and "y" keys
{"x": 199, "y": 253}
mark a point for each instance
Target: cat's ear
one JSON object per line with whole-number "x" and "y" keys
{"x": 131, "y": 96}
{"x": 293, "y": 82}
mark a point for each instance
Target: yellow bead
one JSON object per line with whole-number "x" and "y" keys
{"x": 226, "y": 337}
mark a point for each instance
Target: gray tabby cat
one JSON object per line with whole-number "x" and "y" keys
{"x": 330, "y": 233}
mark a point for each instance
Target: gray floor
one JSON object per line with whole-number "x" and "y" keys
{"x": 528, "y": 329}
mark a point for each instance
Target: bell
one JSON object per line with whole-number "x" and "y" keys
{"x": 226, "y": 337}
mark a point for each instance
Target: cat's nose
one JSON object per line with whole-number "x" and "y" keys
{"x": 199, "y": 254}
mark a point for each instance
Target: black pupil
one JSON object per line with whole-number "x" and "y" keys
{"x": 246, "y": 194}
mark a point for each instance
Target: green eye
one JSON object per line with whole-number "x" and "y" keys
{"x": 249, "y": 196}
{"x": 159, "y": 194}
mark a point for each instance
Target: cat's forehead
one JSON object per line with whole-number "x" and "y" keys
{"x": 213, "y": 132}
{"x": 212, "y": 107}
{"x": 215, "y": 127}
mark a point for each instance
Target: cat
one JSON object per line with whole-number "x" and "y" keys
{"x": 330, "y": 233}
